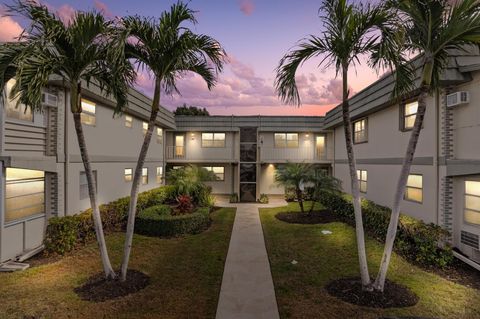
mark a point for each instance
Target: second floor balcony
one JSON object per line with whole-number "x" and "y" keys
{"x": 190, "y": 154}
{"x": 298, "y": 154}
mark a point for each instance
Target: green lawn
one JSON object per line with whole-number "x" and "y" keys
{"x": 321, "y": 258}
{"x": 186, "y": 275}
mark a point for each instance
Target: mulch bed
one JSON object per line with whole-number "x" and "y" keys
{"x": 316, "y": 217}
{"x": 98, "y": 289}
{"x": 350, "y": 290}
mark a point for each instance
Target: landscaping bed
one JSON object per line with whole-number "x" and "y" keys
{"x": 323, "y": 216}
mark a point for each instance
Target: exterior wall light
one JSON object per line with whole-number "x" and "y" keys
{"x": 193, "y": 136}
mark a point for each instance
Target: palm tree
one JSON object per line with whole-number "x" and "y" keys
{"x": 168, "y": 50}
{"x": 324, "y": 183}
{"x": 84, "y": 50}
{"x": 350, "y": 31}
{"x": 295, "y": 175}
{"x": 432, "y": 28}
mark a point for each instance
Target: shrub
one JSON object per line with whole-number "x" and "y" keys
{"x": 64, "y": 233}
{"x": 185, "y": 205}
{"x": 290, "y": 194}
{"x": 416, "y": 240}
{"x": 152, "y": 223}
{"x": 234, "y": 198}
{"x": 263, "y": 199}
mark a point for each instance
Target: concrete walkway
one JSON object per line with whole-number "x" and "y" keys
{"x": 247, "y": 286}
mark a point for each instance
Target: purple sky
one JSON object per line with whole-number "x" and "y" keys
{"x": 255, "y": 34}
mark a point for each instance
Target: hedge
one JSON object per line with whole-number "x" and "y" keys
{"x": 65, "y": 233}
{"x": 416, "y": 240}
{"x": 155, "y": 222}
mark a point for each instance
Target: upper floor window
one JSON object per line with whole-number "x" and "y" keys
{"x": 128, "y": 121}
{"x": 360, "y": 132}
{"x": 159, "y": 135}
{"x": 362, "y": 180}
{"x": 16, "y": 110}
{"x": 408, "y": 115}
{"x": 88, "y": 113}
{"x": 144, "y": 176}
{"x": 128, "y": 174}
{"x": 145, "y": 128}
{"x": 84, "y": 184}
{"x": 219, "y": 172}
{"x": 320, "y": 146}
{"x": 159, "y": 174}
{"x": 414, "y": 190}
{"x": 471, "y": 210}
{"x": 213, "y": 139}
{"x": 289, "y": 140}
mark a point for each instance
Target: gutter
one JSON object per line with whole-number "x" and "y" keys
{"x": 466, "y": 260}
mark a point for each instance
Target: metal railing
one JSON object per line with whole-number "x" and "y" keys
{"x": 292, "y": 154}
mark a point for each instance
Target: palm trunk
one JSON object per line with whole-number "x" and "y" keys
{"x": 300, "y": 199}
{"x": 75, "y": 104}
{"x": 360, "y": 234}
{"x": 400, "y": 191}
{"x": 136, "y": 182}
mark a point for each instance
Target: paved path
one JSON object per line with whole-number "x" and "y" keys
{"x": 247, "y": 286}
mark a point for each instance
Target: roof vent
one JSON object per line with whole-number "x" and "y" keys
{"x": 458, "y": 98}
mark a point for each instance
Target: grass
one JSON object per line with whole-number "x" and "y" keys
{"x": 321, "y": 258}
{"x": 186, "y": 275}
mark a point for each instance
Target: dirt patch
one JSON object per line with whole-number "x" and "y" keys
{"x": 98, "y": 289}
{"x": 315, "y": 217}
{"x": 350, "y": 290}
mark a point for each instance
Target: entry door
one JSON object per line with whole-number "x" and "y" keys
{"x": 320, "y": 149}
{"x": 179, "y": 146}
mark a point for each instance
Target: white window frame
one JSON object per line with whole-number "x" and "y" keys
{"x": 405, "y": 197}
{"x": 128, "y": 121}
{"x": 159, "y": 174}
{"x": 128, "y": 175}
{"x": 145, "y": 176}
{"x": 286, "y": 138}
{"x": 465, "y": 202}
{"x": 144, "y": 128}
{"x": 159, "y": 135}
{"x": 220, "y": 176}
{"x": 214, "y": 142}
{"x": 13, "y": 111}
{"x": 362, "y": 131}
{"x": 87, "y": 116}
{"x": 362, "y": 176}
{"x": 404, "y": 115}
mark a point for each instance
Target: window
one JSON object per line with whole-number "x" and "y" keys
{"x": 320, "y": 146}
{"x": 159, "y": 135}
{"x": 128, "y": 174}
{"x": 144, "y": 176}
{"x": 414, "y": 190}
{"x": 128, "y": 121}
{"x": 84, "y": 184}
{"x": 14, "y": 111}
{"x": 88, "y": 113}
{"x": 219, "y": 172}
{"x": 362, "y": 180}
{"x": 145, "y": 128}
{"x": 159, "y": 174}
{"x": 409, "y": 113}
{"x": 24, "y": 194}
{"x": 286, "y": 140}
{"x": 360, "y": 131}
{"x": 213, "y": 139}
{"x": 471, "y": 211}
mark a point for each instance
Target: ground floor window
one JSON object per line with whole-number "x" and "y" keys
{"x": 471, "y": 212}
{"x": 128, "y": 174}
{"x": 84, "y": 184}
{"x": 414, "y": 190}
{"x": 25, "y": 193}
{"x": 219, "y": 171}
{"x": 159, "y": 174}
{"x": 362, "y": 180}
{"x": 144, "y": 176}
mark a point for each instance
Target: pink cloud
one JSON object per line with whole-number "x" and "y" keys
{"x": 247, "y": 7}
{"x": 103, "y": 8}
{"x": 66, "y": 13}
{"x": 10, "y": 29}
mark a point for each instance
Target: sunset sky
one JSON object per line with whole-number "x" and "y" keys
{"x": 255, "y": 34}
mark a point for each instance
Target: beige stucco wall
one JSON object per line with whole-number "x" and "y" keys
{"x": 226, "y": 186}
{"x": 266, "y": 181}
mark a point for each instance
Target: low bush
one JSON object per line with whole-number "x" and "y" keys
{"x": 416, "y": 240}
{"x": 64, "y": 233}
{"x": 263, "y": 199}
{"x": 154, "y": 222}
{"x": 290, "y": 194}
{"x": 185, "y": 205}
{"x": 234, "y": 198}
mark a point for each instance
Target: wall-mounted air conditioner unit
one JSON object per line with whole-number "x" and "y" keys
{"x": 458, "y": 98}
{"x": 49, "y": 99}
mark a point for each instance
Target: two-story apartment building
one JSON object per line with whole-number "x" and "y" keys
{"x": 41, "y": 171}
{"x": 243, "y": 151}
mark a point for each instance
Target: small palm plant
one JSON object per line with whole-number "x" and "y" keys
{"x": 295, "y": 175}
{"x": 324, "y": 183}
{"x": 431, "y": 28}
{"x": 85, "y": 50}
{"x": 168, "y": 50}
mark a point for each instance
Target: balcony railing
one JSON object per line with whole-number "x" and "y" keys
{"x": 292, "y": 154}
{"x": 200, "y": 154}
{"x": 24, "y": 137}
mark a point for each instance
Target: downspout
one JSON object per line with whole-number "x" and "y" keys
{"x": 435, "y": 158}
{"x": 66, "y": 153}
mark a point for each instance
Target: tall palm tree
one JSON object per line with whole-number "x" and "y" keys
{"x": 168, "y": 50}
{"x": 350, "y": 31}
{"x": 84, "y": 50}
{"x": 432, "y": 28}
{"x": 295, "y": 175}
